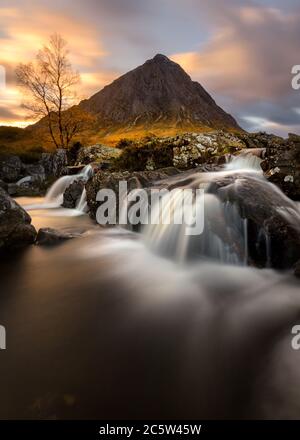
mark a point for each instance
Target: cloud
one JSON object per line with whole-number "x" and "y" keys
{"x": 250, "y": 56}
{"x": 247, "y": 61}
{"x": 241, "y": 51}
{"x": 20, "y": 39}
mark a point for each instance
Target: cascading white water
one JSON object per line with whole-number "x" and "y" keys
{"x": 244, "y": 161}
{"x": 225, "y": 237}
{"x": 82, "y": 205}
{"x": 55, "y": 195}
{"x": 219, "y": 241}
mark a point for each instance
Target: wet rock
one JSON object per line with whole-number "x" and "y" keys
{"x": 273, "y": 219}
{"x": 72, "y": 194}
{"x": 11, "y": 169}
{"x": 110, "y": 180}
{"x": 16, "y": 230}
{"x": 37, "y": 171}
{"x": 55, "y": 164}
{"x": 51, "y": 237}
{"x": 29, "y": 186}
{"x": 282, "y": 166}
{"x": 242, "y": 206}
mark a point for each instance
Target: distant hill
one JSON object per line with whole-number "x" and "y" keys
{"x": 155, "y": 95}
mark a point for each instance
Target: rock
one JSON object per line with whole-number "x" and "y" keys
{"x": 3, "y": 185}
{"x": 192, "y": 150}
{"x": 10, "y": 169}
{"x": 74, "y": 169}
{"x": 273, "y": 219}
{"x": 50, "y": 237}
{"x": 238, "y": 205}
{"x": 282, "y": 165}
{"x": 294, "y": 137}
{"x": 72, "y": 194}
{"x": 29, "y": 186}
{"x": 110, "y": 180}
{"x": 37, "y": 171}
{"x": 260, "y": 139}
{"x": 55, "y": 164}
{"x": 183, "y": 151}
{"x": 97, "y": 153}
{"x": 16, "y": 230}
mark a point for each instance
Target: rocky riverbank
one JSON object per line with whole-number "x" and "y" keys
{"x": 143, "y": 164}
{"x": 31, "y": 179}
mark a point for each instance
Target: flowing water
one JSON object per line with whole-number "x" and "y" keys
{"x": 110, "y": 325}
{"x": 55, "y": 195}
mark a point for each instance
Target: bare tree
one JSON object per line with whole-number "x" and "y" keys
{"x": 49, "y": 83}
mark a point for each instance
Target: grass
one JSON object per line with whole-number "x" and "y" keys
{"x": 30, "y": 142}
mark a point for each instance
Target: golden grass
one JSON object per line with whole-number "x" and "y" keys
{"x": 37, "y": 138}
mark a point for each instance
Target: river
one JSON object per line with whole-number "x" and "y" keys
{"x": 103, "y": 327}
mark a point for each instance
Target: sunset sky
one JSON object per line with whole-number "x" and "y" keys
{"x": 241, "y": 51}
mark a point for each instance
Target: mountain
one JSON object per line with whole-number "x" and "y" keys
{"x": 159, "y": 93}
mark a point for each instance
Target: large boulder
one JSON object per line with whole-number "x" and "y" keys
{"x": 16, "y": 230}
{"x": 55, "y": 164}
{"x": 111, "y": 180}
{"x": 27, "y": 187}
{"x": 37, "y": 171}
{"x": 33, "y": 183}
{"x": 11, "y": 169}
{"x": 282, "y": 165}
{"x": 273, "y": 220}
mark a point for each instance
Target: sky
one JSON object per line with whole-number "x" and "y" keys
{"x": 241, "y": 51}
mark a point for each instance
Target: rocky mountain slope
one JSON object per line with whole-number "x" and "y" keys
{"x": 158, "y": 93}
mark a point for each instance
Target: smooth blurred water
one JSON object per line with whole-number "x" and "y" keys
{"x": 100, "y": 327}
{"x": 105, "y": 327}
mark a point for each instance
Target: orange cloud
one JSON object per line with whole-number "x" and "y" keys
{"x": 94, "y": 81}
{"x": 22, "y": 39}
{"x": 249, "y": 57}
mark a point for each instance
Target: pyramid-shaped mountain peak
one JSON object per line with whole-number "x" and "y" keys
{"x": 160, "y": 58}
{"x": 158, "y": 93}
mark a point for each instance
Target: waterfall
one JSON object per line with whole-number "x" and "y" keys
{"x": 224, "y": 236}
{"x": 234, "y": 233}
{"x": 82, "y": 204}
{"x": 55, "y": 195}
{"x": 244, "y": 161}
